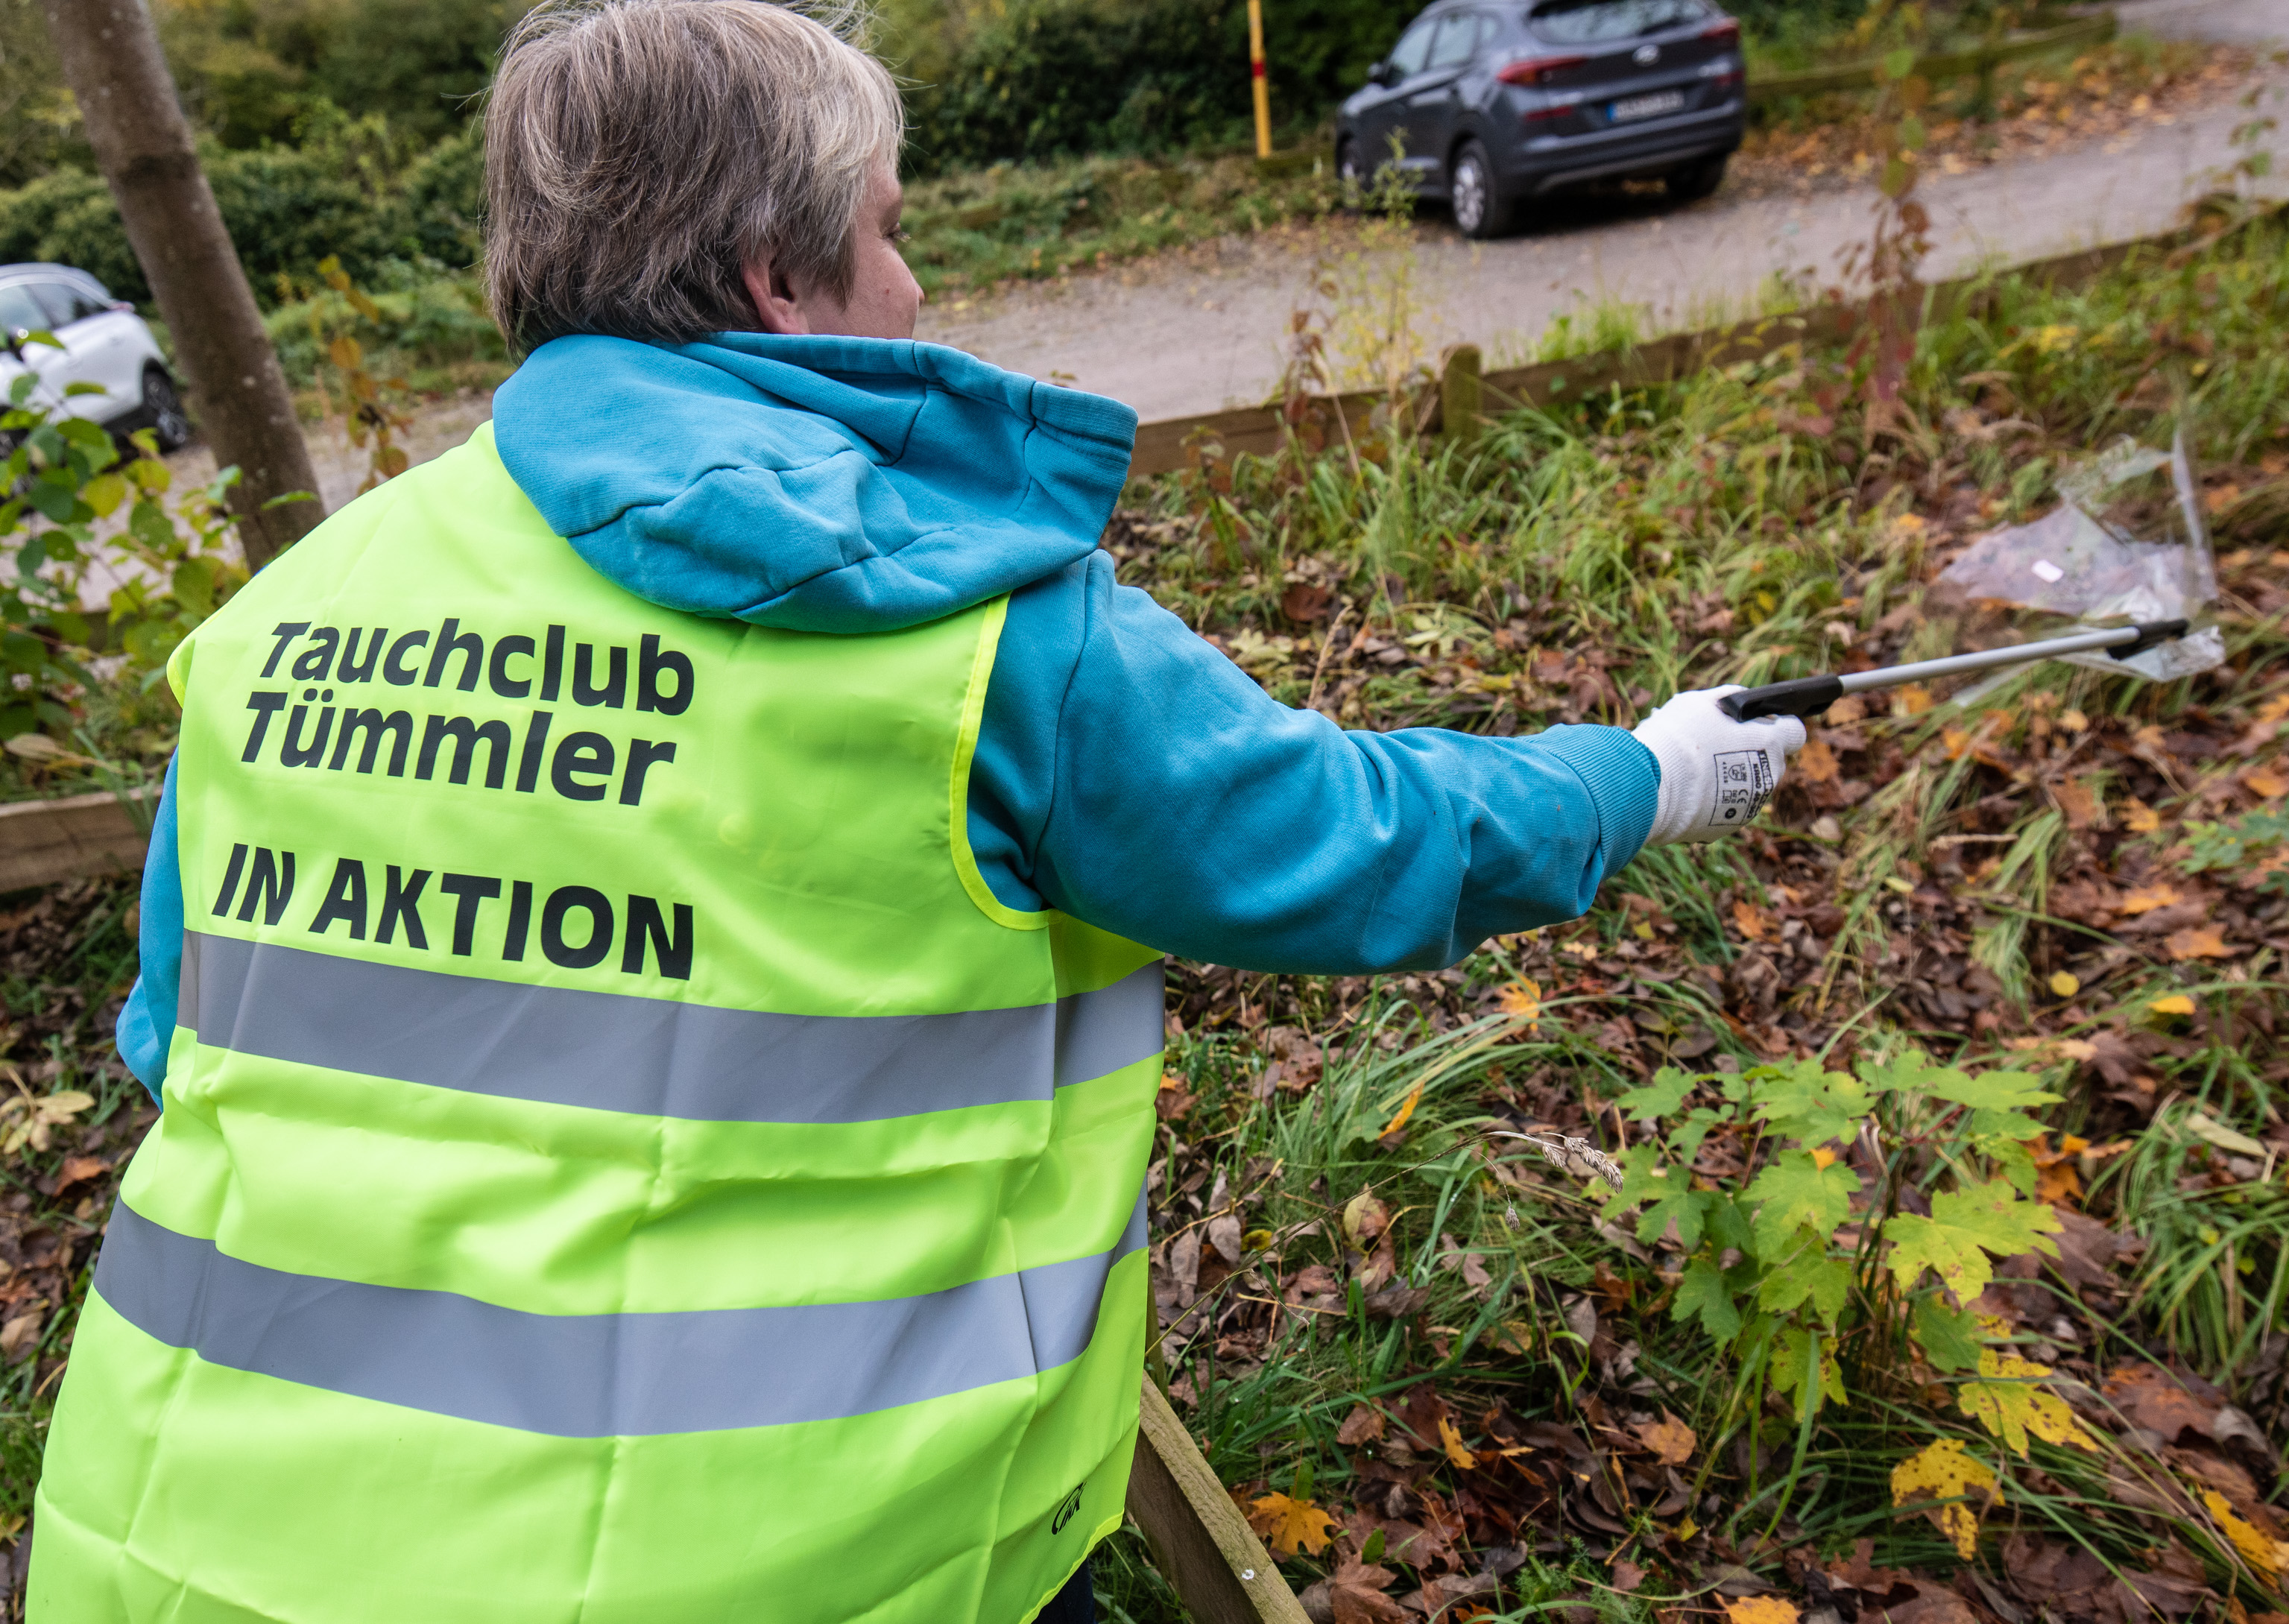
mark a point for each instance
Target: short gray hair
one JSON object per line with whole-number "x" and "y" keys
{"x": 639, "y": 153}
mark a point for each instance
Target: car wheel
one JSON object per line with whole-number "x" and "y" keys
{"x": 1349, "y": 170}
{"x": 164, "y": 408}
{"x": 1480, "y": 210}
{"x": 1696, "y": 181}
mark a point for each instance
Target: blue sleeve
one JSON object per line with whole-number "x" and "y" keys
{"x": 147, "y": 1022}
{"x": 1129, "y": 774}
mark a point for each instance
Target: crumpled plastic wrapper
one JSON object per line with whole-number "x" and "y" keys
{"x": 2080, "y": 558}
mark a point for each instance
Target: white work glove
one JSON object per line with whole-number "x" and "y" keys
{"x": 1715, "y": 773}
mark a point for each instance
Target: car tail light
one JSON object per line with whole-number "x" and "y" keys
{"x": 1725, "y": 33}
{"x": 1533, "y": 69}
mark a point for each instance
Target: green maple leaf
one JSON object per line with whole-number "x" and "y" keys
{"x": 1658, "y": 1098}
{"x": 1998, "y": 1100}
{"x": 1807, "y": 1103}
{"x": 1965, "y": 1226}
{"x": 2014, "y": 1161}
{"x": 1948, "y": 1337}
{"x": 1797, "y": 1191}
{"x": 1667, "y": 1193}
{"x": 1727, "y": 1226}
{"x": 1702, "y": 1291}
{"x": 1684, "y": 1139}
{"x": 1805, "y": 1364}
{"x": 1811, "y": 1274}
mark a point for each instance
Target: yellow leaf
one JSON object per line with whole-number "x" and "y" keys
{"x": 1823, "y": 1157}
{"x": 2145, "y": 899}
{"x": 1669, "y": 1438}
{"x": 2268, "y": 1555}
{"x": 104, "y": 493}
{"x": 2265, "y": 782}
{"x": 2139, "y": 818}
{"x": 1523, "y": 999}
{"x": 1405, "y": 1110}
{"x": 2203, "y": 1125}
{"x": 1451, "y": 1441}
{"x": 1752, "y": 921}
{"x": 1913, "y": 699}
{"x": 1815, "y": 763}
{"x": 2007, "y": 1402}
{"x": 2065, "y": 985}
{"x": 1290, "y": 1525}
{"x": 2205, "y": 943}
{"x": 2174, "y": 1004}
{"x": 1762, "y": 1609}
{"x": 1944, "y": 1471}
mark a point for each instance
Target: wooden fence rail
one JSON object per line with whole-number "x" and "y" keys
{"x": 1177, "y": 443}
{"x": 45, "y": 843}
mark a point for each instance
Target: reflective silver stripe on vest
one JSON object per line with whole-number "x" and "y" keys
{"x": 600, "y": 1375}
{"x": 654, "y": 1057}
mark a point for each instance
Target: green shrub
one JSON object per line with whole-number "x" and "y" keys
{"x": 286, "y": 208}
{"x": 433, "y": 324}
{"x": 1051, "y": 78}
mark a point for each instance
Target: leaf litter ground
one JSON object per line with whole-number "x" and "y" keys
{"x": 1450, "y": 1375}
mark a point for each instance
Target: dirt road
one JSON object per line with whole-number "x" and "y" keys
{"x": 1204, "y": 331}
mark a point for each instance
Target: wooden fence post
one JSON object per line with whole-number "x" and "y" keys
{"x": 1200, "y": 1541}
{"x": 1462, "y": 395}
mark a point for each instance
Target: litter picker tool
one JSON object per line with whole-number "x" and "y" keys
{"x": 2126, "y": 543}
{"x": 1810, "y": 696}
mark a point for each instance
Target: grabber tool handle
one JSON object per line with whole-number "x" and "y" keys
{"x": 1810, "y": 696}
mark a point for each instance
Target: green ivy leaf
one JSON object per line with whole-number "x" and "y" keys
{"x": 1966, "y": 1225}
{"x": 1810, "y": 1275}
{"x": 1667, "y": 1192}
{"x": 1658, "y": 1098}
{"x": 1948, "y": 1337}
{"x": 1796, "y": 1192}
{"x": 1702, "y": 1291}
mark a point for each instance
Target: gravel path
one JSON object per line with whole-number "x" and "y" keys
{"x": 1203, "y": 330}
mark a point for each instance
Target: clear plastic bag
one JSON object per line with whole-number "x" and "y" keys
{"x": 2084, "y": 559}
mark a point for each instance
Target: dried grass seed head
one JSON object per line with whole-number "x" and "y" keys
{"x": 640, "y": 152}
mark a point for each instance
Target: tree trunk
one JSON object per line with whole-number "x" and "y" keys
{"x": 110, "y": 54}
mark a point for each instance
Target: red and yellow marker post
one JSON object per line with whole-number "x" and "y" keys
{"x": 1256, "y": 72}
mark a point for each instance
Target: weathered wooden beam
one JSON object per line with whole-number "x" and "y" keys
{"x": 1200, "y": 1541}
{"x": 1265, "y": 431}
{"x": 46, "y": 842}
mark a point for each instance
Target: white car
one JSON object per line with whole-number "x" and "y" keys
{"x": 102, "y": 342}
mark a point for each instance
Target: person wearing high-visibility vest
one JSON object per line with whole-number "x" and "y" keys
{"x": 643, "y": 949}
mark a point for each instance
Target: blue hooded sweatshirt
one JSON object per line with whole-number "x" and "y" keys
{"x": 1127, "y": 772}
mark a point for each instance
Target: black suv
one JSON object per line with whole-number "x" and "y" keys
{"x": 1494, "y": 103}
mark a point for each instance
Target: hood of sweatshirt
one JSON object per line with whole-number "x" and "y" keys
{"x": 818, "y": 484}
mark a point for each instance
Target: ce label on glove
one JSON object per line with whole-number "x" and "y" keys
{"x": 1744, "y": 782}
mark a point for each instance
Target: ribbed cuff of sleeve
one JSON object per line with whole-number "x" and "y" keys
{"x": 1624, "y": 780}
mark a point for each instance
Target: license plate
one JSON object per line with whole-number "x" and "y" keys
{"x": 1645, "y": 107}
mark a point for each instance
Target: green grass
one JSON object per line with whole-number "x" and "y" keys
{"x": 1022, "y": 222}
{"x": 1741, "y": 525}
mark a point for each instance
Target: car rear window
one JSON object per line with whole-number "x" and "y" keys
{"x": 1589, "y": 22}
